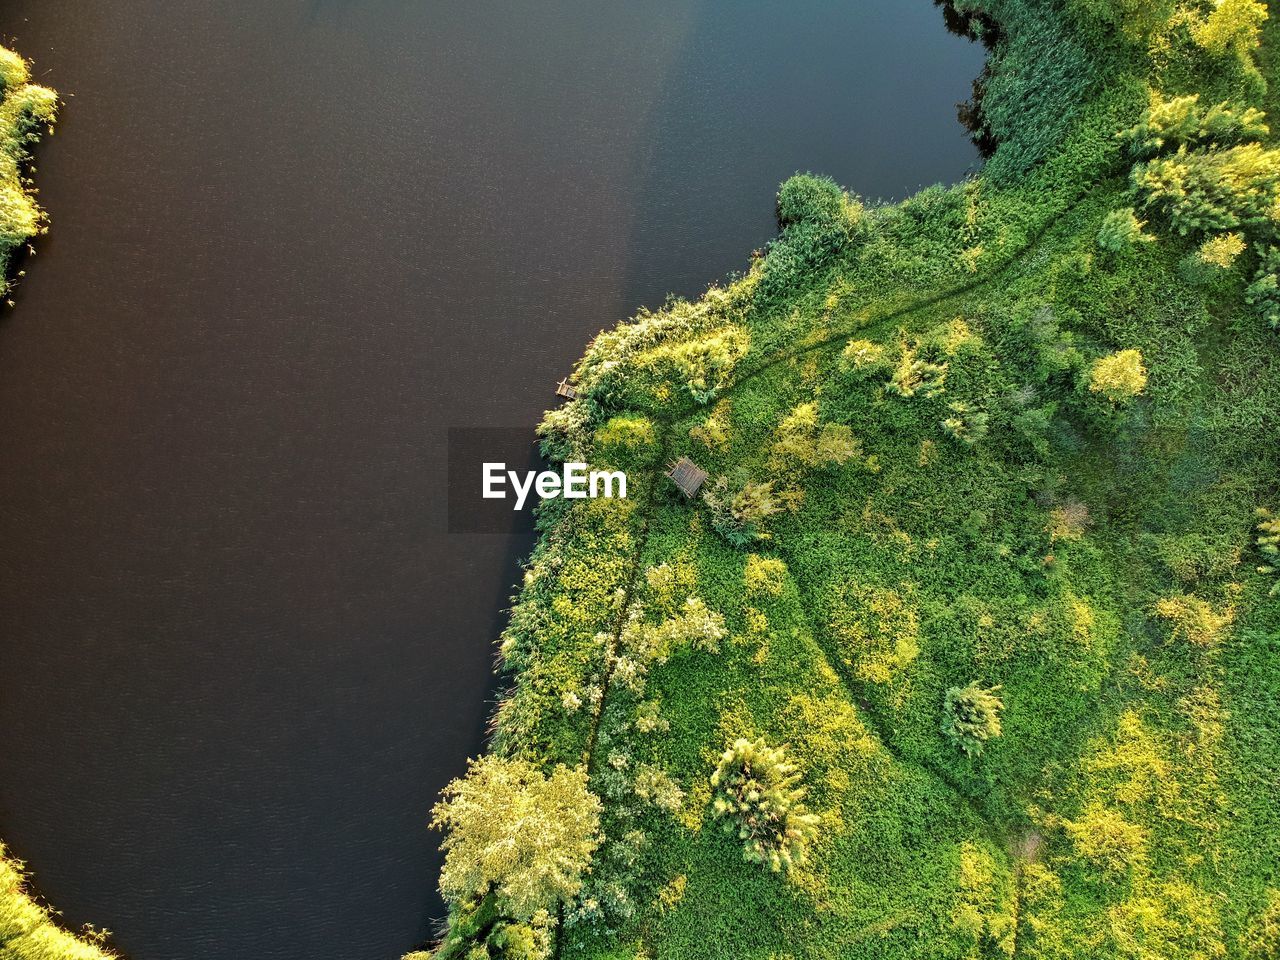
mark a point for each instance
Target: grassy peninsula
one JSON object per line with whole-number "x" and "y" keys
{"x": 28, "y": 929}
{"x": 970, "y": 645}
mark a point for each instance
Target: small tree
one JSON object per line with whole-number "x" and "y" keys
{"x": 1207, "y": 190}
{"x": 515, "y": 833}
{"x": 863, "y": 357}
{"x": 967, "y": 424}
{"x": 1120, "y": 230}
{"x": 757, "y": 796}
{"x": 913, "y": 376}
{"x": 739, "y": 507}
{"x": 1221, "y": 251}
{"x": 1232, "y": 25}
{"x": 1183, "y": 122}
{"x": 971, "y": 716}
{"x": 1118, "y": 376}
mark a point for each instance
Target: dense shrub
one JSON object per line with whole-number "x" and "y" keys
{"x": 1120, "y": 230}
{"x": 863, "y": 357}
{"x": 1193, "y": 620}
{"x": 1200, "y": 191}
{"x": 739, "y": 506}
{"x": 965, "y": 423}
{"x": 25, "y": 110}
{"x": 1118, "y": 376}
{"x": 801, "y": 440}
{"x": 817, "y": 220}
{"x": 756, "y": 793}
{"x": 1263, "y": 294}
{"x": 1221, "y": 251}
{"x": 1183, "y": 122}
{"x": 1135, "y": 19}
{"x": 1105, "y": 839}
{"x": 806, "y": 198}
{"x": 516, "y": 834}
{"x": 914, "y": 376}
{"x": 876, "y": 629}
{"x": 763, "y": 575}
{"x": 1232, "y": 25}
{"x": 971, "y": 716}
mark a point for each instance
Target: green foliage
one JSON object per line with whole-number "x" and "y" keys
{"x": 1261, "y": 941}
{"x": 863, "y": 357}
{"x": 1232, "y": 26}
{"x": 876, "y": 629}
{"x": 1105, "y": 839}
{"x": 739, "y": 506}
{"x": 1090, "y": 559}
{"x": 1120, "y": 230}
{"x": 914, "y": 376}
{"x": 25, "y": 110}
{"x": 1183, "y": 122}
{"x": 971, "y": 716}
{"x": 806, "y": 198}
{"x": 966, "y": 424}
{"x": 1263, "y": 294}
{"x": 1268, "y": 543}
{"x": 1118, "y": 376}
{"x": 1221, "y": 251}
{"x": 756, "y": 793}
{"x": 626, "y": 432}
{"x": 1135, "y": 19}
{"x": 763, "y": 575}
{"x": 802, "y": 440}
{"x": 1214, "y": 190}
{"x": 1193, "y": 620}
{"x": 515, "y": 833}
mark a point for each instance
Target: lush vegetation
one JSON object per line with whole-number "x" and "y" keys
{"x": 973, "y": 636}
{"x": 25, "y": 110}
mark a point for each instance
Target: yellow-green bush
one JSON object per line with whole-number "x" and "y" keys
{"x": 25, "y": 110}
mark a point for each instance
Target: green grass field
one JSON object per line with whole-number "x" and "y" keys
{"x": 942, "y": 464}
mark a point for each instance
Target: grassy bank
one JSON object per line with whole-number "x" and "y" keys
{"x": 26, "y": 110}
{"x": 969, "y": 645}
{"x": 28, "y": 930}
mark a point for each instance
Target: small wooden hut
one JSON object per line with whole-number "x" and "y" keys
{"x": 686, "y": 475}
{"x": 566, "y": 389}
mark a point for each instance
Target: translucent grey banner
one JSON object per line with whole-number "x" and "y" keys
{"x": 505, "y": 450}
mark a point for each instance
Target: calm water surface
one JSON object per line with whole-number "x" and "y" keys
{"x": 294, "y": 242}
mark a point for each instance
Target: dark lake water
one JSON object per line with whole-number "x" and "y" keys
{"x": 293, "y": 243}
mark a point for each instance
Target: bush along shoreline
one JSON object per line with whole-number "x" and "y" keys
{"x": 970, "y": 644}
{"x": 29, "y": 930}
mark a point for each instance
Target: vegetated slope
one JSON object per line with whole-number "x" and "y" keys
{"x": 972, "y": 640}
{"x": 26, "y": 109}
{"x": 27, "y": 929}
